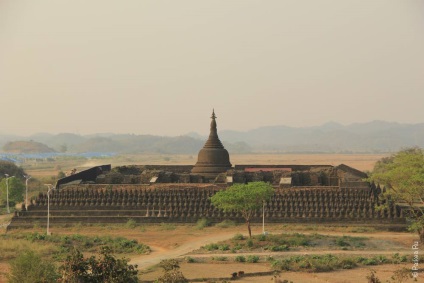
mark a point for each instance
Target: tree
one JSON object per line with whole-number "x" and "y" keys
{"x": 106, "y": 269}
{"x": 10, "y": 168}
{"x": 171, "y": 272}
{"x": 16, "y": 190}
{"x": 29, "y": 267}
{"x": 403, "y": 176}
{"x": 243, "y": 198}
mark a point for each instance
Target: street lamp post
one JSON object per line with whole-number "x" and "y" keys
{"x": 7, "y": 191}
{"x": 263, "y": 217}
{"x": 50, "y": 187}
{"x": 27, "y": 177}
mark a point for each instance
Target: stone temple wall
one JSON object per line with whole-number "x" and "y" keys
{"x": 187, "y": 203}
{"x": 310, "y": 176}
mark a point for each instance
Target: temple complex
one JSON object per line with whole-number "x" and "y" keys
{"x": 181, "y": 193}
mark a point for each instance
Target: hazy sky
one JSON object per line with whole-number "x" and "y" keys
{"x": 159, "y": 67}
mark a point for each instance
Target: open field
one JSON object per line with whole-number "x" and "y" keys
{"x": 364, "y": 162}
{"x": 185, "y": 241}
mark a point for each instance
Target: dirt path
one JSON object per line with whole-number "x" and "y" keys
{"x": 159, "y": 253}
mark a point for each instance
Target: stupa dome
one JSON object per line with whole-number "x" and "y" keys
{"x": 213, "y": 158}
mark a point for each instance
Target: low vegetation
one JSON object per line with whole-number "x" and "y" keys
{"x": 226, "y": 224}
{"x": 330, "y": 262}
{"x": 171, "y": 272}
{"x": 285, "y": 242}
{"x": 29, "y": 267}
{"x": 60, "y": 245}
{"x": 202, "y": 223}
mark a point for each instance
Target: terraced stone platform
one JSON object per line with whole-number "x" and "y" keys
{"x": 181, "y": 203}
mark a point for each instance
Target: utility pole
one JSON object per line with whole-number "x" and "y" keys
{"x": 7, "y": 191}
{"x": 27, "y": 177}
{"x": 50, "y": 187}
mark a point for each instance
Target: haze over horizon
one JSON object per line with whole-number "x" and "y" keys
{"x": 159, "y": 67}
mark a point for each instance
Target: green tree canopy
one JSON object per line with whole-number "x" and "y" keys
{"x": 7, "y": 167}
{"x": 403, "y": 176}
{"x": 243, "y": 198}
{"x": 16, "y": 191}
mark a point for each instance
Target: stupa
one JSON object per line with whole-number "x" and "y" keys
{"x": 213, "y": 158}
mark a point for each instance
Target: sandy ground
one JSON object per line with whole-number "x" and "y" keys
{"x": 183, "y": 240}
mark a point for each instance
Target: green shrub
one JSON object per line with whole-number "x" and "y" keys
{"x": 238, "y": 247}
{"x": 283, "y": 264}
{"x": 396, "y": 258}
{"x": 298, "y": 240}
{"x": 370, "y": 261}
{"x": 347, "y": 263}
{"x": 211, "y": 247}
{"x": 240, "y": 258}
{"x": 347, "y": 241}
{"x": 226, "y": 224}
{"x": 249, "y": 243}
{"x": 190, "y": 259}
{"x": 277, "y": 248}
{"x": 404, "y": 258}
{"x": 238, "y": 237}
{"x": 131, "y": 224}
{"x": 381, "y": 259}
{"x": 28, "y": 267}
{"x": 224, "y": 247}
{"x": 252, "y": 258}
{"x": 262, "y": 237}
{"x": 360, "y": 259}
{"x": 167, "y": 226}
{"x": 202, "y": 223}
{"x": 220, "y": 258}
{"x": 341, "y": 242}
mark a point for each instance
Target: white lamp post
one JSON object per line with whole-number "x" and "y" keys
{"x": 263, "y": 217}
{"x": 27, "y": 177}
{"x": 7, "y": 191}
{"x": 50, "y": 187}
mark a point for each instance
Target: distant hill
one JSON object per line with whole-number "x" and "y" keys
{"x": 26, "y": 147}
{"x": 371, "y": 137}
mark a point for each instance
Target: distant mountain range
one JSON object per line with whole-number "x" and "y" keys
{"x": 372, "y": 137}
